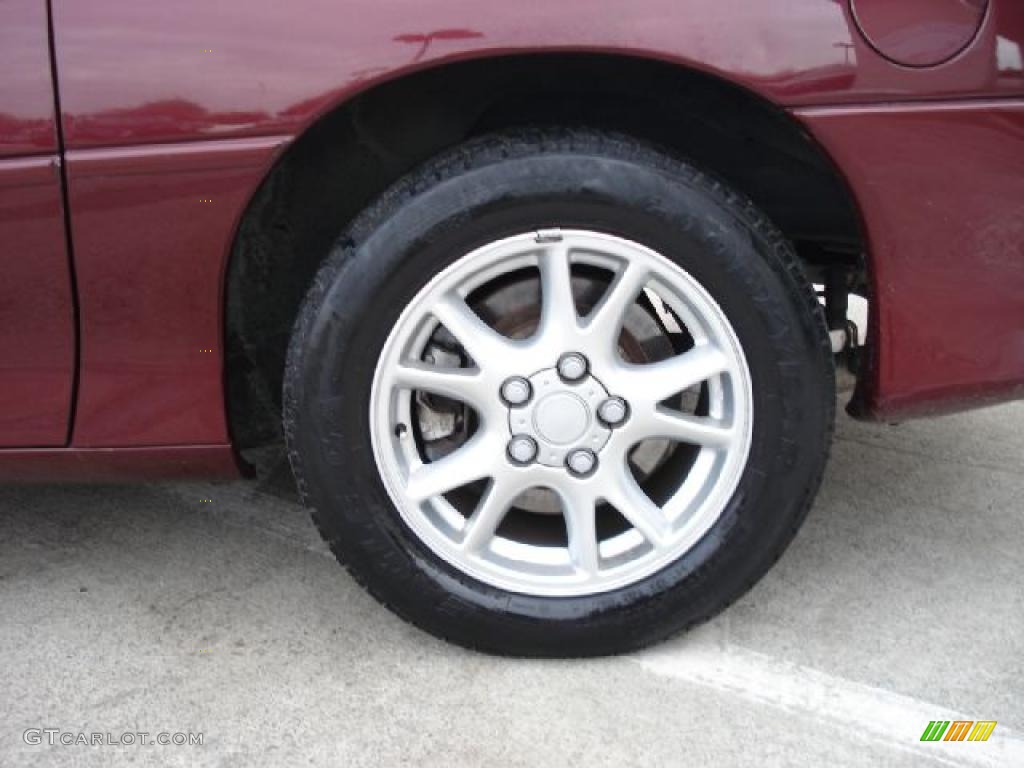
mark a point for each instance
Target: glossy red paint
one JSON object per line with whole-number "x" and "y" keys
{"x": 171, "y": 462}
{"x": 37, "y": 332}
{"x": 27, "y": 123}
{"x": 136, "y": 73}
{"x": 946, "y": 243}
{"x": 152, "y": 229}
{"x": 919, "y": 33}
{"x": 172, "y": 113}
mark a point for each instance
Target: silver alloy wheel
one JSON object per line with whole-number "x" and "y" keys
{"x": 561, "y": 416}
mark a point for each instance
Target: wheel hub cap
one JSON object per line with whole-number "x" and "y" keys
{"x": 561, "y": 417}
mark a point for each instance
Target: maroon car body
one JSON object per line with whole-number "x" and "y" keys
{"x": 135, "y": 135}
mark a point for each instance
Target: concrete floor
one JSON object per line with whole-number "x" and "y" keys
{"x": 146, "y": 608}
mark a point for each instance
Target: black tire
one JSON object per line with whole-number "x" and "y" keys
{"x": 501, "y": 185}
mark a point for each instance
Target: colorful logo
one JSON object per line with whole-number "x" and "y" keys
{"x": 958, "y": 730}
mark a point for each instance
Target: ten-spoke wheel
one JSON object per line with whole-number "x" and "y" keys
{"x": 533, "y": 418}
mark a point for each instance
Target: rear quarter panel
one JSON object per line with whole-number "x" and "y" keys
{"x": 173, "y": 112}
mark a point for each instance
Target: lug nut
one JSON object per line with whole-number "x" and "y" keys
{"x": 516, "y": 391}
{"x": 572, "y": 366}
{"x": 613, "y": 411}
{"x": 522, "y": 449}
{"x": 581, "y": 462}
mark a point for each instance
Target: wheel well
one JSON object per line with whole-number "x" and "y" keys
{"x": 345, "y": 160}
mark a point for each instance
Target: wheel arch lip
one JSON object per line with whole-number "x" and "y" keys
{"x": 752, "y": 86}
